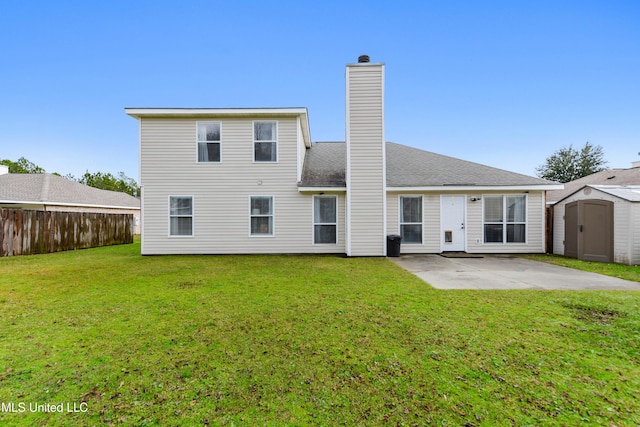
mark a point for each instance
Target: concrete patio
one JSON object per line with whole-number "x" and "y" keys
{"x": 504, "y": 272}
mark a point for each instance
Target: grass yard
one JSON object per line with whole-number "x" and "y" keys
{"x": 627, "y": 272}
{"x": 302, "y": 340}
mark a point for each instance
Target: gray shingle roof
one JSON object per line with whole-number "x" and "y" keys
{"x": 411, "y": 167}
{"x": 325, "y": 166}
{"x": 52, "y": 189}
{"x": 629, "y": 176}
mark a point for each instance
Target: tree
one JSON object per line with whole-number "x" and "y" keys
{"x": 22, "y": 166}
{"x": 106, "y": 181}
{"x": 568, "y": 164}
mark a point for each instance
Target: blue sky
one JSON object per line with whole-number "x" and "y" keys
{"x": 504, "y": 83}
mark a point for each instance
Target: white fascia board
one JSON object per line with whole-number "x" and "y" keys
{"x": 202, "y": 112}
{"x": 440, "y": 188}
{"x": 322, "y": 189}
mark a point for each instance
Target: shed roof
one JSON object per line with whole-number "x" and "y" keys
{"x": 325, "y": 166}
{"x": 609, "y": 177}
{"x": 52, "y": 189}
{"x": 630, "y": 193}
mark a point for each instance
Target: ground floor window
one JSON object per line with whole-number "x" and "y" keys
{"x": 505, "y": 218}
{"x": 261, "y": 214}
{"x": 411, "y": 219}
{"x": 324, "y": 220}
{"x": 181, "y": 216}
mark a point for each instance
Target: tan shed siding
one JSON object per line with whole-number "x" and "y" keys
{"x": 365, "y": 142}
{"x": 621, "y": 230}
{"x": 221, "y": 191}
{"x": 625, "y": 237}
{"x": 634, "y": 232}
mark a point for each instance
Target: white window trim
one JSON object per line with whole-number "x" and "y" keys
{"x": 193, "y": 217}
{"x": 421, "y": 223}
{"x": 313, "y": 220}
{"x": 504, "y": 222}
{"x": 275, "y": 141}
{"x": 198, "y": 141}
{"x": 273, "y": 217}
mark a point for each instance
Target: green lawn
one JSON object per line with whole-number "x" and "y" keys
{"x": 627, "y": 272}
{"x": 303, "y": 340}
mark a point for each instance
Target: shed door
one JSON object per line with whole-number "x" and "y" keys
{"x": 588, "y": 230}
{"x": 571, "y": 230}
{"x": 596, "y": 237}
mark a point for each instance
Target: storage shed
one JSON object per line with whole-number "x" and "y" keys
{"x": 599, "y": 223}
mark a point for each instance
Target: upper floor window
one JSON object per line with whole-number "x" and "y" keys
{"x": 411, "y": 219}
{"x": 181, "y": 216}
{"x": 208, "y": 142}
{"x": 265, "y": 141}
{"x": 505, "y": 219}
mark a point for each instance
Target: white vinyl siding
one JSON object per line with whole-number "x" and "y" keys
{"x": 366, "y": 175}
{"x": 222, "y": 193}
{"x": 473, "y": 226}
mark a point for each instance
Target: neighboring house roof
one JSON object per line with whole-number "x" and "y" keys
{"x": 52, "y": 189}
{"x": 629, "y": 176}
{"x": 407, "y": 167}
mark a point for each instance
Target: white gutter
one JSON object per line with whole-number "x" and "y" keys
{"x": 478, "y": 188}
{"x": 321, "y": 189}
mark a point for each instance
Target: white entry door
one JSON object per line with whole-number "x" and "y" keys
{"x": 452, "y": 227}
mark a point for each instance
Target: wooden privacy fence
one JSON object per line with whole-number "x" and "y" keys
{"x": 27, "y": 232}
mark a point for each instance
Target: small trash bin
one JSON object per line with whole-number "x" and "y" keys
{"x": 393, "y": 245}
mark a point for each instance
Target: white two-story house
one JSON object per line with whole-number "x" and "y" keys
{"x": 250, "y": 180}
